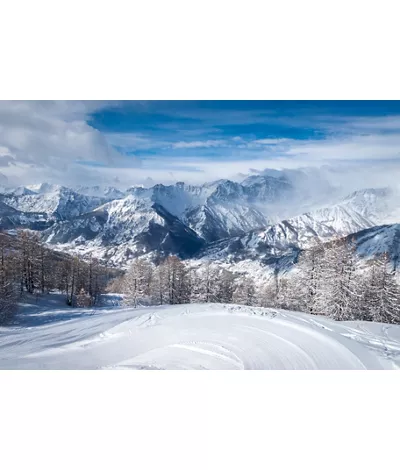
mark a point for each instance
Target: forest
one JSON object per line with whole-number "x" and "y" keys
{"x": 328, "y": 279}
{"x": 28, "y": 267}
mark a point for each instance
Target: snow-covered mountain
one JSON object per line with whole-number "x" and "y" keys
{"x": 11, "y": 218}
{"x": 125, "y": 228}
{"x": 142, "y": 221}
{"x": 222, "y": 208}
{"x": 57, "y": 202}
{"x": 357, "y": 212}
{"x": 19, "y": 191}
{"x": 107, "y": 192}
{"x": 377, "y": 240}
{"x": 268, "y": 217}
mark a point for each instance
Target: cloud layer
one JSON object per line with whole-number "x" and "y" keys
{"x": 136, "y": 142}
{"x": 51, "y": 139}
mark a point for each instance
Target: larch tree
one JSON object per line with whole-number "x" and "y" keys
{"x": 245, "y": 291}
{"x": 225, "y": 286}
{"x": 382, "y": 292}
{"x": 137, "y": 282}
{"x": 205, "y": 283}
{"x": 308, "y": 278}
{"x": 340, "y": 294}
{"x": 8, "y": 294}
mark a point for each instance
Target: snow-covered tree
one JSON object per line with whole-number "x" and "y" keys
{"x": 340, "y": 292}
{"x": 381, "y": 300}
{"x": 267, "y": 294}
{"x": 159, "y": 290}
{"x": 245, "y": 291}
{"x": 326, "y": 281}
{"x": 137, "y": 282}
{"x": 308, "y": 278}
{"x": 225, "y": 287}
{"x": 287, "y": 296}
{"x": 177, "y": 280}
{"x": 204, "y": 282}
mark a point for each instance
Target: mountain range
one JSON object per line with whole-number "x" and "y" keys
{"x": 266, "y": 217}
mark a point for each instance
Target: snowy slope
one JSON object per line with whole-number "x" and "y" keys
{"x": 57, "y": 202}
{"x": 222, "y": 208}
{"x": 19, "y": 191}
{"x": 108, "y": 193}
{"x": 378, "y": 240}
{"x": 11, "y": 218}
{"x": 122, "y": 229}
{"x": 217, "y": 221}
{"x": 196, "y": 336}
{"x": 360, "y": 210}
{"x": 355, "y": 213}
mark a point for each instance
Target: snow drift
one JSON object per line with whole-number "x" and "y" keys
{"x": 195, "y": 336}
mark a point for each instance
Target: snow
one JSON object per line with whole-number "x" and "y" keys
{"x": 54, "y": 200}
{"x": 264, "y": 217}
{"x": 356, "y": 213}
{"x": 379, "y": 240}
{"x": 194, "y": 336}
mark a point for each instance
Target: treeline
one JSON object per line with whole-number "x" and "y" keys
{"x": 27, "y": 266}
{"x": 327, "y": 280}
{"x": 330, "y": 280}
{"x": 173, "y": 281}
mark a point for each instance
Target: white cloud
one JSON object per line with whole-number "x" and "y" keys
{"x": 356, "y": 147}
{"x": 132, "y": 141}
{"x": 268, "y": 141}
{"x": 367, "y": 124}
{"x": 3, "y": 180}
{"x": 200, "y": 144}
{"x": 49, "y": 132}
{"x": 47, "y": 140}
{"x": 51, "y": 137}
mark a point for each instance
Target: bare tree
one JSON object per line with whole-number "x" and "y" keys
{"x": 8, "y": 294}
{"x": 244, "y": 292}
{"x": 381, "y": 292}
{"x": 83, "y": 299}
{"x": 137, "y": 283}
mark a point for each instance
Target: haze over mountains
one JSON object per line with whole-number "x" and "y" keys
{"x": 266, "y": 217}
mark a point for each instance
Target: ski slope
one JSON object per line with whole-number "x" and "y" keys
{"x": 195, "y": 336}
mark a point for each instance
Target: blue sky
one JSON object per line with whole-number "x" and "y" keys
{"x": 220, "y": 129}
{"x": 132, "y": 141}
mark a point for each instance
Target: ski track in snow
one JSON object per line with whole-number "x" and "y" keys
{"x": 196, "y": 336}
